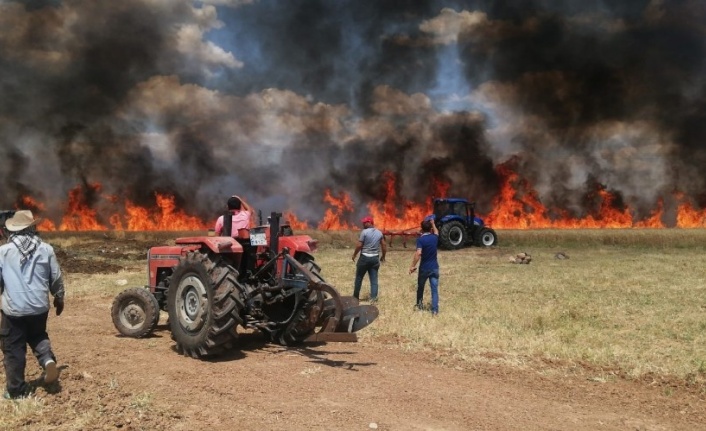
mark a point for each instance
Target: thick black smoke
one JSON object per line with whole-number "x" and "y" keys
{"x": 280, "y": 100}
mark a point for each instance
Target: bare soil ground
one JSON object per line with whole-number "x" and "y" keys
{"x": 111, "y": 382}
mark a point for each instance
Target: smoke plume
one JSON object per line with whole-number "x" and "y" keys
{"x": 279, "y": 101}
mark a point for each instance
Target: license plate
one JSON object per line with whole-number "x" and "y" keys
{"x": 258, "y": 238}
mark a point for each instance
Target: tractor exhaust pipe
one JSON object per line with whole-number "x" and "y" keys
{"x": 274, "y": 232}
{"x": 227, "y": 223}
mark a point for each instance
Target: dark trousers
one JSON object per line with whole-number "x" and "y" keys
{"x": 17, "y": 333}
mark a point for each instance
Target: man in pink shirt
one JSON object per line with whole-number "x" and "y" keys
{"x": 241, "y": 213}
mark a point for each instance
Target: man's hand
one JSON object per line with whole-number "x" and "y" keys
{"x": 412, "y": 269}
{"x": 59, "y": 305}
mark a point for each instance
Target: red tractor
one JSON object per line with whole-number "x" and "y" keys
{"x": 264, "y": 279}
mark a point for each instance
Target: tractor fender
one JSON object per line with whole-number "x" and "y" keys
{"x": 217, "y": 244}
{"x": 161, "y": 257}
{"x": 297, "y": 243}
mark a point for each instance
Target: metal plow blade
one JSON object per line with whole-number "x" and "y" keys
{"x": 339, "y": 317}
{"x": 342, "y": 317}
{"x": 356, "y": 318}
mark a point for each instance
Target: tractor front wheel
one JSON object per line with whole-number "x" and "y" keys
{"x": 135, "y": 312}
{"x": 204, "y": 305}
{"x": 486, "y": 238}
{"x": 452, "y": 235}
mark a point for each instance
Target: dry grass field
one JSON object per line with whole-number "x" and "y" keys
{"x": 628, "y": 303}
{"x": 625, "y": 307}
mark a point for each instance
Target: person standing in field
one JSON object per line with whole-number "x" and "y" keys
{"x": 372, "y": 248}
{"x": 29, "y": 272}
{"x": 426, "y": 252}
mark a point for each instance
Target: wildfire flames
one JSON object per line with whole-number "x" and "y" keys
{"x": 517, "y": 206}
{"x": 79, "y": 216}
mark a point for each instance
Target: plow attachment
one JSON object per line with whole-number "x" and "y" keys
{"x": 336, "y": 317}
{"x": 411, "y": 233}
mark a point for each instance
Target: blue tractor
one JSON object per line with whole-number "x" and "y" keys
{"x": 458, "y": 225}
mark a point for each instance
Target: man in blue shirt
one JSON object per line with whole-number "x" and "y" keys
{"x": 372, "y": 249}
{"x": 29, "y": 272}
{"x": 429, "y": 267}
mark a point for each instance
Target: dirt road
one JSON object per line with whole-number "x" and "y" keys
{"x": 109, "y": 382}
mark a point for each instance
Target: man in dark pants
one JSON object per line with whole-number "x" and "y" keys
{"x": 429, "y": 266}
{"x": 29, "y": 272}
{"x": 372, "y": 248}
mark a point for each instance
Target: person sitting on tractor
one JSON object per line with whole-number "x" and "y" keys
{"x": 240, "y": 213}
{"x": 236, "y": 224}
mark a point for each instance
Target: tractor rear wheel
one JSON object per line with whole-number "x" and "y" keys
{"x": 452, "y": 235}
{"x": 204, "y": 304}
{"x": 486, "y": 238}
{"x": 135, "y": 312}
{"x": 302, "y": 324}
{"x": 304, "y": 321}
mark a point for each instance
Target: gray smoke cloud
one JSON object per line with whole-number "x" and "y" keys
{"x": 279, "y": 101}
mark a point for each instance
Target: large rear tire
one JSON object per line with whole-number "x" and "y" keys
{"x": 302, "y": 324}
{"x": 204, "y": 304}
{"x": 307, "y": 315}
{"x": 452, "y": 235}
{"x": 135, "y": 312}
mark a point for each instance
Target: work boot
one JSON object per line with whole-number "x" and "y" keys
{"x": 26, "y": 392}
{"x": 51, "y": 372}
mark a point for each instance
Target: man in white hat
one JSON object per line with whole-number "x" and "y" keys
{"x": 29, "y": 272}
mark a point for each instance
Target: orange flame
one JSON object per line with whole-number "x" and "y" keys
{"x": 387, "y": 214}
{"x": 79, "y": 215}
{"x": 294, "y": 222}
{"x": 340, "y": 208}
{"x": 517, "y": 206}
{"x": 688, "y": 216}
{"x": 27, "y": 202}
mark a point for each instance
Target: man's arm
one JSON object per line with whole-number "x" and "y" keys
{"x": 357, "y": 250}
{"x": 56, "y": 287}
{"x": 244, "y": 206}
{"x": 415, "y": 259}
{"x": 383, "y": 249}
{"x": 433, "y": 227}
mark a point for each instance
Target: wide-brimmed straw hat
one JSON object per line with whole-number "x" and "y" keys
{"x": 21, "y": 220}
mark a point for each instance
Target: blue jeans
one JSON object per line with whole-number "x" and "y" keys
{"x": 369, "y": 265}
{"x": 433, "y": 276}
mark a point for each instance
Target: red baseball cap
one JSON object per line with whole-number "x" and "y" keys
{"x": 366, "y": 219}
